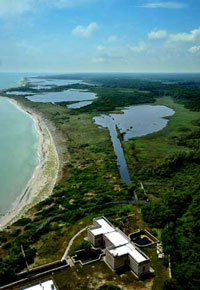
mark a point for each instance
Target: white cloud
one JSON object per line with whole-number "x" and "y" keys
{"x": 85, "y": 31}
{"x": 19, "y": 7}
{"x": 194, "y": 49}
{"x": 98, "y": 59}
{"x": 108, "y": 57}
{"x": 158, "y": 34}
{"x": 29, "y": 48}
{"x": 108, "y": 54}
{"x": 112, "y": 38}
{"x": 182, "y": 37}
{"x": 139, "y": 48}
{"x": 14, "y": 7}
{"x": 192, "y": 36}
{"x": 66, "y": 3}
{"x": 167, "y": 5}
{"x": 100, "y": 48}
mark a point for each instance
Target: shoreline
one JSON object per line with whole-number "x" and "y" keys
{"x": 45, "y": 175}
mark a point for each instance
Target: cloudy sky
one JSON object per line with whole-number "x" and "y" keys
{"x": 100, "y": 35}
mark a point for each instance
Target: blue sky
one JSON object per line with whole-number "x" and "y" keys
{"x": 100, "y": 35}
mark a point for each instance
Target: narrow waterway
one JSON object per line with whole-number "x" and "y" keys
{"x": 107, "y": 121}
{"x": 134, "y": 121}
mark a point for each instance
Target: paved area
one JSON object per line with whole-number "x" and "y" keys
{"x": 70, "y": 262}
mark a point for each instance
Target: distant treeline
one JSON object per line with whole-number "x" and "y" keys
{"x": 123, "y": 91}
{"x": 186, "y": 93}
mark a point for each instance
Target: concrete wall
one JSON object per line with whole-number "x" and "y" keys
{"x": 97, "y": 241}
{"x": 143, "y": 268}
{"x": 107, "y": 242}
{"x": 91, "y": 237}
{"x": 121, "y": 262}
{"x": 116, "y": 262}
{"x": 134, "y": 265}
{"x": 110, "y": 259}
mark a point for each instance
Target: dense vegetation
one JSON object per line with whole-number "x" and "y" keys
{"x": 177, "y": 210}
{"x": 91, "y": 179}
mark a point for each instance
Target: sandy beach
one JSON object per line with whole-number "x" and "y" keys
{"x": 45, "y": 175}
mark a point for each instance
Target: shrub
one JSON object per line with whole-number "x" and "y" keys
{"x": 22, "y": 222}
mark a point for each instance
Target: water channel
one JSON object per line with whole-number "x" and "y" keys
{"x": 134, "y": 121}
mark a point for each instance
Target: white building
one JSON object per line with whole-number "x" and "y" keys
{"x": 46, "y": 285}
{"x": 120, "y": 252}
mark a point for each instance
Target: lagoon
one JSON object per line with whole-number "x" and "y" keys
{"x": 134, "y": 121}
{"x": 65, "y": 96}
{"x": 141, "y": 120}
{"x": 41, "y": 83}
{"x": 19, "y": 93}
{"x": 79, "y": 105}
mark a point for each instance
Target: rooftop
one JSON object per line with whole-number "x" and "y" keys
{"x": 104, "y": 227}
{"x": 47, "y": 285}
{"x": 117, "y": 238}
{"x": 128, "y": 249}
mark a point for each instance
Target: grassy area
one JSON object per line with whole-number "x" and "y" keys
{"x": 92, "y": 276}
{"x": 145, "y": 150}
{"x": 160, "y": 267}
{"x": 95, "y": 275}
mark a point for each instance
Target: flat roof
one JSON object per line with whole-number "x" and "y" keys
{"x": 117, "y": 239}
{"x": 128, "y": 249}
{"x": 104, "y": 228}
{"x": 47, "y": 285}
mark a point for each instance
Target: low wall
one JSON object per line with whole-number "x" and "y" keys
{"x": 86, "y": 263}
{"x": 144, "y": 232}
{"x": 36, "y": 273}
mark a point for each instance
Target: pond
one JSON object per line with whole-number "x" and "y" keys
{"x": 134, "y": 121}
{"x": 79, "y": 105}
{"x": 143, "y": 238}
{"x": 86, "y": 256}
{"x": 39, "y": 83}
{"x": 18, "y": 93}
{"x": 142, "y": 241}
{"x": 65, "y": 96}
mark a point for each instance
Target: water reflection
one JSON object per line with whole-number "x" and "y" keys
{"x": 108, "y": 122}
{"x": 38, "y": 83}
{"x": 18, "y": 93}
{"x": 65, "y": 96}
{"x": 134, "y": 121}
{"x": 79, "y": 105}
{"x": 141, "y": 120}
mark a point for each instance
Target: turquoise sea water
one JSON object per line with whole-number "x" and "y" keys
{"x": 18, "y": 148}
{"x": 12, "y": 80}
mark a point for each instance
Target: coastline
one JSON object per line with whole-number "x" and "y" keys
{"x": 45, "y": 175}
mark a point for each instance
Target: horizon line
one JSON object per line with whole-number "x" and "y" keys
{"x": 102, "y": 72}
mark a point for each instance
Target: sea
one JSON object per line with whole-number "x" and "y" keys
{"x": 19, "y": 142}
